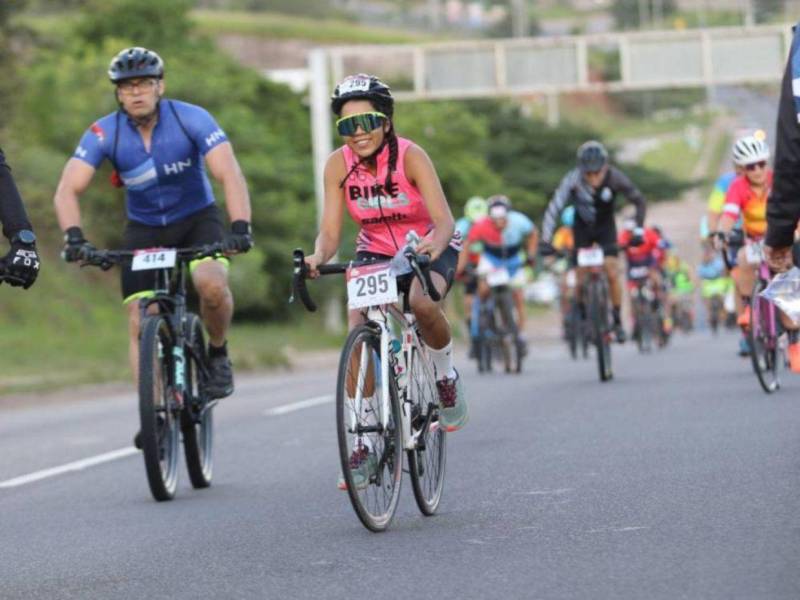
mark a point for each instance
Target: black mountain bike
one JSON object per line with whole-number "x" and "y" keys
{"x": 498, "y": 331}
{"x": 172, "y": 368}
{"x": 647, "y": 321}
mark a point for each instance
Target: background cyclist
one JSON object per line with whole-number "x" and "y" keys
{"x": 747, "y": 198}
{"x": 475, "y": 209}
{"x": 592, "y": 187}
{"x": 507, "y": 238}
{"x": 158, "y": 148}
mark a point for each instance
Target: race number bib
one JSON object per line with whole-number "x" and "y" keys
{"x": 590, "y": 257}
{"x": 153, "y": 258}
{"x": 638, "y": 272}
{"x": 498, "y": 277}
{"x": 754, "y": 253}
{"x": 371, "y": 285}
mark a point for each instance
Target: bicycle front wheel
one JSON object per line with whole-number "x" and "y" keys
{"x": 765, "y": 354}
{"x": 369, "y": 429}
{"x": 157, "y": 409}
{"x": 512, "y": 355}
{"x": 197, "y": 418}
{"x": 598, "y": 300}
{"x": 426, "y": 462}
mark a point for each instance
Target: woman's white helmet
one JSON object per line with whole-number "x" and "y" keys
{"x": 750, "y": 149}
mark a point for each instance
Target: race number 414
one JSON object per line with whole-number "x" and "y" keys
{"x": 153, "y": 258}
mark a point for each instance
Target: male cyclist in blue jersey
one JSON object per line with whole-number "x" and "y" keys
{"x": 158, "y": 147}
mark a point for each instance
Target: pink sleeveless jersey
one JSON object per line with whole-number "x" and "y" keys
{"x": 385, "y": 219}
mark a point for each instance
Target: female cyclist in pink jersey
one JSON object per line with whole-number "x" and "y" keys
{"x": 390, "y": 187}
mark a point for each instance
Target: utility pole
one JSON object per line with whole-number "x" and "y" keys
{"x": 519, "y": 18}
{"x": 644, "y": 16}
{"x": 748, "y": 14}
{"x": 435, "y": 14}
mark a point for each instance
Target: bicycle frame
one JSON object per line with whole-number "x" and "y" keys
{"x": 384, "y": 317}
{"x": 764, "y": 275}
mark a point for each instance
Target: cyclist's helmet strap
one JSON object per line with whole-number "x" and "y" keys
{"x": 135, "y": 62}
{"x": 363, "y": 87}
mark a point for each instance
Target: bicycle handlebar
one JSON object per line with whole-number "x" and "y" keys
{"x": 105, "y": 259}
{"x": 420, "y": 266}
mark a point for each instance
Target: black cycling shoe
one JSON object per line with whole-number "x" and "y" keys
{"x": 619, "y": 333}
{"x": 220, "y": 377}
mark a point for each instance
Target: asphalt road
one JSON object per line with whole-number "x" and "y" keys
{"x": 679, "y": 479}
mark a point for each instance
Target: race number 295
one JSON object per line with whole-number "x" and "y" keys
{"x": 371, "y": 286}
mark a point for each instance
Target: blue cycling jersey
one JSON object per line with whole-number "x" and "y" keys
{"x": 168, "y": 183}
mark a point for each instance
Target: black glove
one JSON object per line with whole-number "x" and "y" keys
{"x": 637, "y": 237}
{"x": 240, "y": 238}
{"x": 21, "y": 264}
{"x": 75, "y": 245}
{"x": 546, "y": 249}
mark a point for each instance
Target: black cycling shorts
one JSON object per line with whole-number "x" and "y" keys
{"x": 603, "y": 234}
{"x": 203, "y": 227}
{"x": 445, "y": 265}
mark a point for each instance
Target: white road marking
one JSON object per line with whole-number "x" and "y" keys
{"x": 557, "y": 492}
{"x": 78, "y": 465}
{"x": 294, "y": 406}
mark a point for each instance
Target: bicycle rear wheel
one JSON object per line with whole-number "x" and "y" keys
{"x": 426, "y": 463}
{"x": 371, "y": 454}
{"x": 645, "y": 320}
{"x": 764, "y": 351}
{"x": 197, "y": 417}
{"x": 157, "y": 410}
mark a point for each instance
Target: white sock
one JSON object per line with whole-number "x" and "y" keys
{"x": 442, "y": 360}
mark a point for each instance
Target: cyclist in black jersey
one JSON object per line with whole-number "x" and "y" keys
{"x": 21, "y": 263}
{"x": 592, "y": 187}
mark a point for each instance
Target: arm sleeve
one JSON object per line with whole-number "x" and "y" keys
{"x": 631, "y": 193}
{"x": 91, "y": 148}
{"x": 557, "y": 204}
{"x": 203, "y": 129}
{"x": 783, "y": 207}
{"x": 12, "y": 211}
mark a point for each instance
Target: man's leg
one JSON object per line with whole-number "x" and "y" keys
{"x": 210, "y": 279}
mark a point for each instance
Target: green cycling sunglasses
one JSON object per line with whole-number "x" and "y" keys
{"x": 367, "y": 121}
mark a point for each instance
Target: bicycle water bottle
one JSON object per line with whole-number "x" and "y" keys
{"x": 401, "y": 375}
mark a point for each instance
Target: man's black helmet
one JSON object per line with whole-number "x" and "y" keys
{"x": 592, "y": 156}
{"x": 363, "y": 87}
{"x": 135, "y": 62}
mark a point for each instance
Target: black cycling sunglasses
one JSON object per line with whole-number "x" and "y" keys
{"x": 759, "y": 165}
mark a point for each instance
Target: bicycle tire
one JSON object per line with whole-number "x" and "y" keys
{"x": 599, "y": 317}
{"x": 197, "y": 418}
{"x": 573, "y": 323}
{"x": 716, "y": 309}
{"x": 764, "y": 352}
{"x": 376, "y": 502}
{"x": 157, "y": 413}
{"x": 426, "y": 463}
{"x": 512, "y": 357}
{"x": 646, "y": 326}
